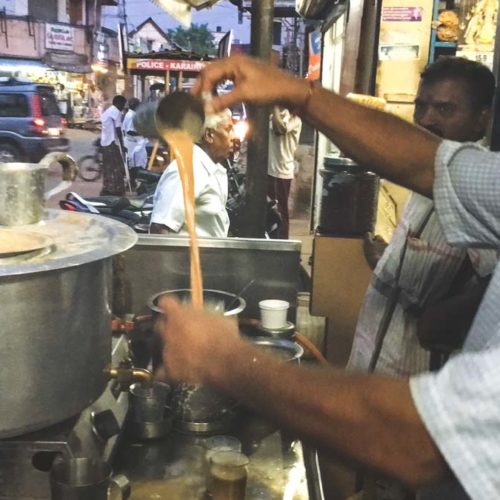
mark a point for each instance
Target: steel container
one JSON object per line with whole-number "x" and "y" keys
{"x": 55, "y": 331}
{"x": 22, "y": 188}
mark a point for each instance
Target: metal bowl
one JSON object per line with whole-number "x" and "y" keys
{"x": 286, "y": 350}
{"x": 226, "y": 303}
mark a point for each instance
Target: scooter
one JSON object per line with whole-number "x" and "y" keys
{"x": 134, "y": 212}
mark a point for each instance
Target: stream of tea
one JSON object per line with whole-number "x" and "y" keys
{"x": 181, "y": 145}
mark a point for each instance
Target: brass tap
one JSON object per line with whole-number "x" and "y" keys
{"x": 128, "y": 375}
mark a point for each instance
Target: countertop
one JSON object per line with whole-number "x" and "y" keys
{"x": 174, "y": 467}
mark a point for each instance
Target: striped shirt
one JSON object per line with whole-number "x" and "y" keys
{"x": 460, "y": 405}
{"x": 428, "y": 267}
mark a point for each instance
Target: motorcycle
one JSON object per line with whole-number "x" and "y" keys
{"x": 134, "y": 212}
{"x": 236, "y": 202}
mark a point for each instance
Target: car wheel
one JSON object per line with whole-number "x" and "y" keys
{"x": 9, "y": 153}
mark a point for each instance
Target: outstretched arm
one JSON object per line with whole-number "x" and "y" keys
{"x": 368, "y": 419}
{"x": 386, "y": 144}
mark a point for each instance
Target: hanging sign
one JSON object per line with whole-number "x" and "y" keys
{"x": 59, "y": 37}
{"x": 165, "y": 65}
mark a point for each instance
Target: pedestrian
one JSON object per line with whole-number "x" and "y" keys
{"x": 285, "y": 127}
{"x": 135, "y": 144}
{"x": 112, "y": 146}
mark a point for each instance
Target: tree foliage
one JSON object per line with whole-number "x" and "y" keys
{"x": 197, "y": 38}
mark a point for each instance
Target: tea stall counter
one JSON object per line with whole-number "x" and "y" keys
{"x": 174, "y": 467}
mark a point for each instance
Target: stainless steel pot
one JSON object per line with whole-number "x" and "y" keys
{"x": 285, "y": 350}
{"x": 199, "y": 408}
{"x": 217, "y": 301}
{"x": 22, "y": 188}
{"x": 55, "y": 333}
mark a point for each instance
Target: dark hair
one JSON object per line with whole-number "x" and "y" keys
{"x": 478, "y": 77}
{"x": 119, "y": 101}
{"x": 133, "y": 102}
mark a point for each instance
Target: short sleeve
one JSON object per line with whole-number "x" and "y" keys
{"x": 168, "y": 204}
{"x": 466, "y": 194}
{"x": 459, "y": 406}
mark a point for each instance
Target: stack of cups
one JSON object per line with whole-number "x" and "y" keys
{"x": 273, "y": 314}
{"x": 225, "y": 468}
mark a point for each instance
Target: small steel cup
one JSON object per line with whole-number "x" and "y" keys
{"x": 147, "y": 403}
{"x": 84, "y": 479}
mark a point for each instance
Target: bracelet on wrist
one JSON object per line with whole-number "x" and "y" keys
{"x": 311, "y": 87}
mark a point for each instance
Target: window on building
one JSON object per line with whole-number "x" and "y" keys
{"x": 75, "y": 11}
{"x": 45, "y": 10}
{"x": 13, "y": 105}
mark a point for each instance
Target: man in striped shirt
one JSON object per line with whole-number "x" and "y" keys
{"x": 420, "y": 279}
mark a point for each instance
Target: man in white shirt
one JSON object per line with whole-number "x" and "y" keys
{"x": 210, "y": 185}
{"x": 135, "y": 144}
{"x": 112, "y": 145}
{"x": 284, "y": 136}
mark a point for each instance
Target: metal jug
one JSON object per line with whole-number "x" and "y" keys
{"x": 22, "y": 188}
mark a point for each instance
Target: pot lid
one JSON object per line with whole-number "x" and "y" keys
{"x": 63, "y": 239}
{"x": 15, "y": 242}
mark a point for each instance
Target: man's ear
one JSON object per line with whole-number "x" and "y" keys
{"x": 485, "y": 117}
{"x": 208, "y": 136}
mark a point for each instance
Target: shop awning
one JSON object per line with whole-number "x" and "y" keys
{"x": 21, "y": 65}
{"x": 321, "y": 9}
{"x": 70, "y": 62}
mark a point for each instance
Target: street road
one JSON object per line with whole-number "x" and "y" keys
{"x": 81, "y": 145}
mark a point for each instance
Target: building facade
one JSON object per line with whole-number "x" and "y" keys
{"x": 60, "y": 42}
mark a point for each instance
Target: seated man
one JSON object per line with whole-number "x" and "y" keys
{"x": 210, "y": 185}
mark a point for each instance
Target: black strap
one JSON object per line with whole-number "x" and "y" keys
{"x": 393, "y": 297}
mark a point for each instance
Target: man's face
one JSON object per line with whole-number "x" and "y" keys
{"x": 445, "y": 108}
{"x": 221, "y": 141}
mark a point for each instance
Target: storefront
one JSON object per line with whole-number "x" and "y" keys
{"x": 163, "y": 73}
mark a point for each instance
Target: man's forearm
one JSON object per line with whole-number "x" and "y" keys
{"x": 371, "y": 420}
{"x": 380, "y": 141}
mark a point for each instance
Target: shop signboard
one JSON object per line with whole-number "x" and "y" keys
{"x": 101, "y": 47}
{"x": 314, "y": 68}
{"x": 165, "y": 65}
{"x": 401, "y": 14}
{"x": 59, "y": 37}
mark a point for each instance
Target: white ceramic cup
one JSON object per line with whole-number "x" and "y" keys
{"x": 273, "y": 313}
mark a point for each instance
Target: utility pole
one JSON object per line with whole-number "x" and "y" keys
{"x": 122, "y": 15}
{"x": 261, "y": 47}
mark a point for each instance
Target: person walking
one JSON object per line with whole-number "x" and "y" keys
{"x": 112, "y": 147}
{"x": 135, "y": 144}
